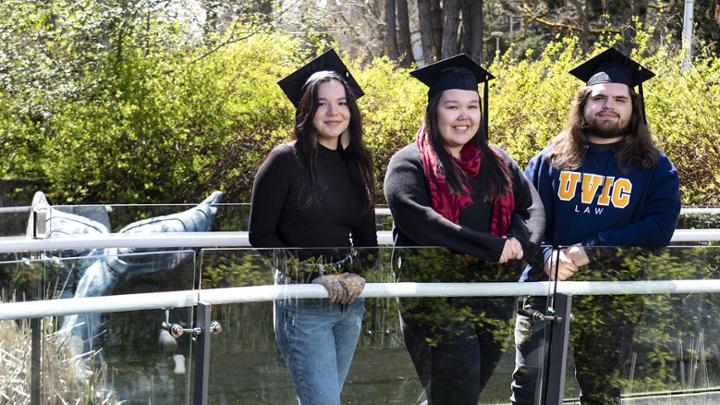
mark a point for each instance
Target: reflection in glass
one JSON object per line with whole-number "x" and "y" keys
{"x": 455, "y": 342}
{"x": 117, "y": 357}
{"x": 672, "y": 349}
{"x": 382, "y": 371}
{"x": 648, "y": 347}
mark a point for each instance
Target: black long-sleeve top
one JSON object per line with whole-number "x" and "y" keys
{"x": 418, "y": 224}
{"x": 279, "y": 216}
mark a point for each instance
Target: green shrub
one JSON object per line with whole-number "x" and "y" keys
{"x": 170, "y": 124}
{"x": 392, "y": 108}
{"x": 173, "y": 137}
{"x": 21, "y": 141}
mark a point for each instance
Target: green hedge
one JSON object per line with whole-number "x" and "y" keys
{"x": 171, "y": 126}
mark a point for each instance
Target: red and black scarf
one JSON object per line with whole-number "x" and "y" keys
{"x": 450, "y": 205}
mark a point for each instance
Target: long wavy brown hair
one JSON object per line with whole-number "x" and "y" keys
{"x": 357, "y": 156}
{"x": 636, "y": 149}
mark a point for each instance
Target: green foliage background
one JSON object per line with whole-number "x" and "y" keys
{"x": 168, "y": 121}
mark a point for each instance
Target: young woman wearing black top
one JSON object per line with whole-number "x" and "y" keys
{"x": 317, "y": 192}
{"x": 451, "y": 188}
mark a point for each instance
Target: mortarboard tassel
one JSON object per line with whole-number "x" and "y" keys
{"x": 642, "y": 98}
{"x": 485, "y": 110}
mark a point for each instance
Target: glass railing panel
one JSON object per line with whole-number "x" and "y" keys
{"x": 235, "y": 216}
{"x": 382, "y": 370}
{"x": 228, "y": 217}
{"x": 699, "y": 218}
{"x": 147, "y": 364}
{"x": 118, "y": 357}
{"x": 14, "y": 220}
{"x": 648, "y": 347}
{"x": 21, "y": 279}
{"x": 101, "y": 272}
{"x": 637, "y": 264}
{"x": 63, "y": 377}
{"x": 154, "y": 369}
{"x": 114, "y": 217}
{"x": 121, "y": 217}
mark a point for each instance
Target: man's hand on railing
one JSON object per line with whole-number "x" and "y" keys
{"x": 565, "y": 268}
{"x": 577, "y": 254}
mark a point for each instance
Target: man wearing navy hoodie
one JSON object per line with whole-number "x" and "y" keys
{"x": 603, "y": 183}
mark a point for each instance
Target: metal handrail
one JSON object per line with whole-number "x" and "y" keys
{"x": 236, "y": 295}
{"x": 378, "y": 211}
{"x": 217, "y": 239}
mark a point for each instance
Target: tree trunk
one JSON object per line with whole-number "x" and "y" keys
{"x": 436, "y": 13}
{"x": 404, "y": 43}
{"x": 265, "y": 7}
{"x": 465, "y": 27}
{"x": 450, "y": 43}
{"x": 583, "y": 22}
{"x": 474, "y": 24}
{"x": 426, "y": 33}
{"x": 390, "y": 30}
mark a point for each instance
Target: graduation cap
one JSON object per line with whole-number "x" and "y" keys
{"x": 294, "y": 84}
{"x": 611, "y": 66}
{"x": 456, "y": 72}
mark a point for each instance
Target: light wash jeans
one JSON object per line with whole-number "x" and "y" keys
{"x": 317, "y": 340}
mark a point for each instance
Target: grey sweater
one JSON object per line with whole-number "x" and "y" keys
{"x": 418, "y": 224}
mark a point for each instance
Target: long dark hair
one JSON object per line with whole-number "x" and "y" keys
{"x": 638, "y": 148}
{"x": 493, "y": 175}
{"x": 356, "y": 155}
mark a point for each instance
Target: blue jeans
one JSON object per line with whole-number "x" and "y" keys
{"x": 317, "y": 340}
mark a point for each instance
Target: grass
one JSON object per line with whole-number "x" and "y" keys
{"x": 64, "y": 379}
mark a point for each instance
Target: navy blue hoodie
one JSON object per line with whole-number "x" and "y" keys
{"x": 600, "y": 205}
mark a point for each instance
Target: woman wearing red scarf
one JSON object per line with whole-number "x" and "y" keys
{"x": 450, "y": 188}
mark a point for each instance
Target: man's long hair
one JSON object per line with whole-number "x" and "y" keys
{"x": 638, "y": 148}
{"x": 494, "y": 177}
{"x": 356, "y": 155}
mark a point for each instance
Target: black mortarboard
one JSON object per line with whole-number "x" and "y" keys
{"x": 611, "y": 66}
{"x": 456, "y": 72}
{"x": 294, "y": 84}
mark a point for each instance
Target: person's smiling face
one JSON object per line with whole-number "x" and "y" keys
{"x": 458, "y": 118}
{"x": 607, "y": 111}
{"x": 332, "y": 117}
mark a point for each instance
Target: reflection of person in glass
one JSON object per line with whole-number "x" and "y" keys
{"x": 603, "y": 182}
{"x": 317, "y": 192}
{"x": 451, "y": 188}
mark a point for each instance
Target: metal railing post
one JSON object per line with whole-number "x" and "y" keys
{"x": 557, "y": 353}
{"x": 202, "y": 354}
{"x": 36, "y": 363}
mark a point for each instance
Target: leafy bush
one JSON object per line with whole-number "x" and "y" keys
{"x": 168, "y": 125}
{"x": 172, "y": 137}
